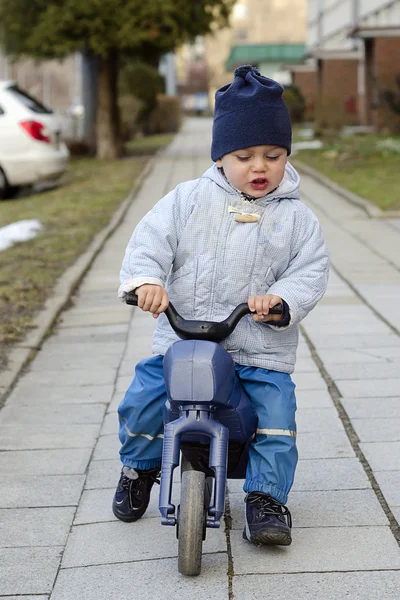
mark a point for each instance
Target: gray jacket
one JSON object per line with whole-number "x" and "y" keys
{"x": 209, "y": 263}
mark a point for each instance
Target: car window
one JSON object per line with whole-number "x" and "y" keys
{"x": 28, "y": 101}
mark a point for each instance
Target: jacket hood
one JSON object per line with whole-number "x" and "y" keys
{"x": 288, "y": 188}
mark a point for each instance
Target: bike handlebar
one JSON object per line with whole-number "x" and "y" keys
{"x": 212, "y": 331}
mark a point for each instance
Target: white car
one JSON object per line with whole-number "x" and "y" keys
{"x": 31, "y": 149}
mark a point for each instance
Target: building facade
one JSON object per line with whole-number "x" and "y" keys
{"x": 266, "y": 33}
{"x": 353, "y": 68}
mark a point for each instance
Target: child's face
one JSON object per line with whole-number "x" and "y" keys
{"x": 256, "y": 170}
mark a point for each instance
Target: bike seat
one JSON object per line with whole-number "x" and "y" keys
{"x": 197, "y": 371}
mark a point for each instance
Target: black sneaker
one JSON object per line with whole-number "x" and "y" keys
{"x": 132, "y": 496}
{"x": 267, "y": 521}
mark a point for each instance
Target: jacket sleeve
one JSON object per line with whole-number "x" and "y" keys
{"x": 152, "y": 247}
{"x": 304, "y": 281}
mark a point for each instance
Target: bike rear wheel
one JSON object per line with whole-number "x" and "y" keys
{"x": 192, "y": 516}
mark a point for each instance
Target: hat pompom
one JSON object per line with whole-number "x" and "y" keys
{"x": 244, "y": 69}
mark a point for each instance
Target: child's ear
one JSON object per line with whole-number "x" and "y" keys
{"x": 219, "y": 163}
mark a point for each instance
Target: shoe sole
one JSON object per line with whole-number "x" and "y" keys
{"x": 124, "y": 518}
{"x": 270, "y": 538}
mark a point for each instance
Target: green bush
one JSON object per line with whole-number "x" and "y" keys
{"x": 129, "y": 107}
{"x": 295, "y": 102}
{"x": 143, "y": 82}
{"x": 166, "y": 117}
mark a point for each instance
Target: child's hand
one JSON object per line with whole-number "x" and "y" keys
{"x": 152, "y": 298}
{"x": 260, "y": 305}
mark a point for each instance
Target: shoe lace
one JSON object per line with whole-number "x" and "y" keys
{"x": 269, "y": 506}
{"x": 126, "y": 481}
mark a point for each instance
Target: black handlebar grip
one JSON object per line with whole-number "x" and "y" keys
{"x": 131, "y": 298}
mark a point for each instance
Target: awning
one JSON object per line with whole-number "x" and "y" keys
{"x": 254, "y": 54}
{"x": 363, "y": 31}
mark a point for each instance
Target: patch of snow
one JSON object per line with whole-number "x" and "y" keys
{"x": 20, "y": 231}
{"x": 306, "y": 133}
{"x": 307, "y": 145}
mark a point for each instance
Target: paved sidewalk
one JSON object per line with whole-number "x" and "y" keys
{"x": 59, "y": 447}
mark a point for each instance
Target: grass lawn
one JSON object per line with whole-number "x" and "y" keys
{"x": 71, "y": 216}
{"x": 361, "y": 165}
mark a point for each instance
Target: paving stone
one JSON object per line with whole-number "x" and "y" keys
{"x": 107, "y": 334}
{"x": 28, "y": 570}
{"x": 104, "y": 317}
{"x": 330, "y": 474}
{"x": 389, "y": 482}
{"x": 72, "y": 461}
{"x": 72, "y": 377}
{"x": 112, "y": 542}
{"x": 365, "y": 370}
{"x": 320, "y": 549}
{"x": 369, "y": 388}
{"x": 110, "y": 425}
{"x": 318, "y": 419}
{"x": 382, "y": 456}
{"x": 325, "y": 586}
{"x": 344, "y": 508}
{"x": 324, "y": 445}
{"x": 35, "y": 526}
{"x": 309, "y": 381}
{"x": 396, "y": 513}
{"x": 24, "y": 597}
{"x": 52, "y": 414}
{"x": 353, "y": 342}
{"x": 74, "y": 360}
{"x": 352, "y": 357}
{"x": 345, "y": 326}
{"x": 103, "y": 473}
{"x": 107, "y": 447}
{"x": 122, "y": 384}
{"x": 305, "y": 365}
{"x": 152, "y": 578}
{"x": 25, "y": 394}
{"x": 374, "y": 408}
{"x": 313, "y": 399}
{"x": 389, "y": 354}
{"x": 115, "y": 402}
{"x": 377, "y": 430}
{"x": 95, "y": 505}
{"x": 62, "y": 345}
{"x": 31, "y": 491}
{"x": 48, "y": 436}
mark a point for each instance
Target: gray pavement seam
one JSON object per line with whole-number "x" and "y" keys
{"x": 228, "y": 527}
{"x": 23, "y": 354}
{"x": 352, "y": 435}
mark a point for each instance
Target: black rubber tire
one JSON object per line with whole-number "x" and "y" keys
{"x": 7, "y": 191}
{"x": 191, "y": 522}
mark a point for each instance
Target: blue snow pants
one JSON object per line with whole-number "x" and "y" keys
{"x": 273, "y": 452}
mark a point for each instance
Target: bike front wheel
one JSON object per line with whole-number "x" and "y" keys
{"x": 192, "y": 516}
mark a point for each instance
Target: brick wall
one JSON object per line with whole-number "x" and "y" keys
{"x": 337, "y": 93}
{"x": 385, "y": 67}
{"x": 306, "y": 81}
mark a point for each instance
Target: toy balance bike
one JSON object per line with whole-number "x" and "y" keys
{"x": 209, "y": 419}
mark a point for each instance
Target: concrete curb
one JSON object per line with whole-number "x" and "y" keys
{"x": 23, "y": 353}
{"x": 373, "y": 212}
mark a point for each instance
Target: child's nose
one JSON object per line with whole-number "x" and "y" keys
{"x": 259, "y": 164}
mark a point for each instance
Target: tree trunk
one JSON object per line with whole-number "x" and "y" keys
{"x": 109, "y": 145}
{"x": 90, "y": 99}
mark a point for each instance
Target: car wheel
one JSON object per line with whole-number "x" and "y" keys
{"x": 7, "y": 191}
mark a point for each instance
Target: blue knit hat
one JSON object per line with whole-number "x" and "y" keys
{"x": 250, "y": 111}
